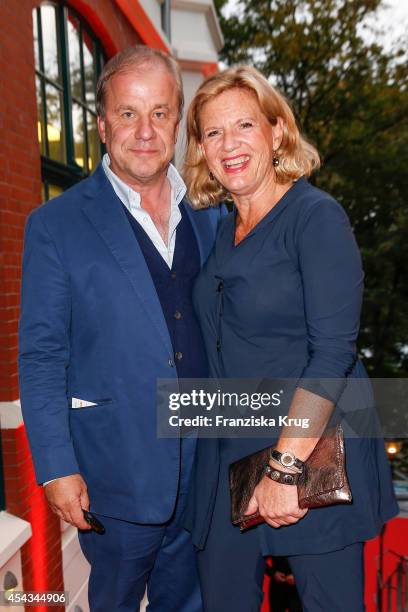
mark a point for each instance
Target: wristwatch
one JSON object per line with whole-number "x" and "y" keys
{"x": 287, "y": 459}
{"x": 281, "y": 477}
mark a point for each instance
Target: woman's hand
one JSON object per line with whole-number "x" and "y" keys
{"x": 276, "y": 503}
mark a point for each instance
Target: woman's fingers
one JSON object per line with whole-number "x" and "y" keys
{"x": 276, "y": 503}
{"x": 252, "y": 506}
{"x": 274, "y": 524}
{"x": 282, "y": 515}
{"x": 281, "y": 521}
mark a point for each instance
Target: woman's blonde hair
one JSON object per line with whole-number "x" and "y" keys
{"x": 297, "y": 157}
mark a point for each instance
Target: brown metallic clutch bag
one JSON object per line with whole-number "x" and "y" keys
{"x": 323, "y": 481}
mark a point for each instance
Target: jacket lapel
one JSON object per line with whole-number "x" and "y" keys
{"x": 105, "y": 212}
{"x": 203, "y": 230}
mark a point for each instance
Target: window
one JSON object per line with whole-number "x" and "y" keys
{"x": 68, "y": 60}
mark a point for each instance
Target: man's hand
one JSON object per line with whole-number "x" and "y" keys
{"x": 67, "y": 497}
{"x": 277, "y": 503}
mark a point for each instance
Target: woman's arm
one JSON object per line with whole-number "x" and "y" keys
{"x": 332, "y": 279}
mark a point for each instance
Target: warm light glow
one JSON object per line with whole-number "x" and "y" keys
{"x": 393, "y": 447}
{"x": 80, "y": 162}
{"x": 53, "y": 134}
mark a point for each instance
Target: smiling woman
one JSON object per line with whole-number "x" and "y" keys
{"x": 254, "y": 112}
{"x": 239, "y": 152}
{"x": 279, "y": 297}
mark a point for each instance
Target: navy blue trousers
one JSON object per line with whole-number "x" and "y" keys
{"x": 231, "y": 569}
{"x": 130, "y": 557}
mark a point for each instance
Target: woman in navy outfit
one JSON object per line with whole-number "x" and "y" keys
{"x": 279, "y": 297}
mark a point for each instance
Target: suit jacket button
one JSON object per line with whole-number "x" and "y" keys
{"x": 218, "y": 345}
{"x": 177, "y": 315}
{"x": 173, "y": 275}
{"x": 178, "y": 355}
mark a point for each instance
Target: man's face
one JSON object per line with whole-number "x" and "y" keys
{"x": 140, "y": 124}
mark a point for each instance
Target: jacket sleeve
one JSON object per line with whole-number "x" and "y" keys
{"x": 332, "y": 278}
{"x": 44, "y": 353}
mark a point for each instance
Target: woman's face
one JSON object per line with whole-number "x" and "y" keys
{"x": 238, "y": 142}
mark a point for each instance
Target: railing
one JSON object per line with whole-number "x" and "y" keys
{"x": 393, "y": 595}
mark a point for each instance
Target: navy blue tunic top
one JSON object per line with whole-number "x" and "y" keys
{"x": 285, "y": 302}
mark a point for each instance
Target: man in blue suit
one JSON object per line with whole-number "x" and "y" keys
{"x": 106, "y": 311}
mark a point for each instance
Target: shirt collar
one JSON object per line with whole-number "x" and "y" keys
{"x": 131, "y": 197}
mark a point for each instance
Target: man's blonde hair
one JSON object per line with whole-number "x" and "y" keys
{"x": 297, "y": 157}
{"x": 132, "y": 57}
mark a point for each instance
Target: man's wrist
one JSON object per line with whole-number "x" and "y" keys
{"x": 44, "y": 484}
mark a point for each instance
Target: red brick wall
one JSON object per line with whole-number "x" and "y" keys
{"x": 20, "y": 186}
{"x": 20, "y": 192}
{"x": 20, "y": 177}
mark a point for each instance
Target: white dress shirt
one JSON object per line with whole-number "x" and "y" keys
{"x": 131, "y": 199}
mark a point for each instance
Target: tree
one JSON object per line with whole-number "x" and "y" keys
{"x": 350, "y": 97}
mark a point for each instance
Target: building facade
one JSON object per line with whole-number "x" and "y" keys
{"x": 51, "y": 53}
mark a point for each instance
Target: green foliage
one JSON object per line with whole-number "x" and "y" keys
{"x": 350, "y": 96}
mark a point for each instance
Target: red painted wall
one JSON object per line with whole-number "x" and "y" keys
{"x": 41, "y": 555}
{"x": 395, "y": 539}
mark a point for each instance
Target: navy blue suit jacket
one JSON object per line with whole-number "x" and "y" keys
{"x": 92, "y": 328}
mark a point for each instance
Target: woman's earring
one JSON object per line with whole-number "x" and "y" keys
{"x": 275, "y": 159}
